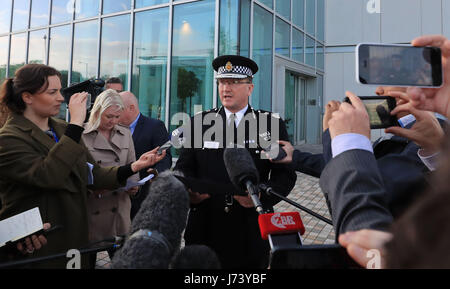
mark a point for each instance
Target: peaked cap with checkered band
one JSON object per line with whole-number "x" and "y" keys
{"x": 234, "y": 66}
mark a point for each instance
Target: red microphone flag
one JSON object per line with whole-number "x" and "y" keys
{"x": 280, "y": 223}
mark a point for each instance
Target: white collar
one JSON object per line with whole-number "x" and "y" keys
{"x": 239, "y": 114}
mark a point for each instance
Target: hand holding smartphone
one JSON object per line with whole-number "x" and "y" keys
{"x": 379, "y": 109}
{"x": 399, "y": 65}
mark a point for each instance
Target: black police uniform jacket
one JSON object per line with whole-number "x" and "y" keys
{"x": 233, "y": 235}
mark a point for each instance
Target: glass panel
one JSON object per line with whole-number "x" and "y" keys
{"x": 39, "y": 13}
{"x": 111, "y": 6}
{"x": 311, "y": 16}
{"x": 229, "y": 33}
{"x": 5, "y": 16}
{"x": 284, "y": 8}
{"x": 301, "y": 111}
{"x": 262, "y": 55}
{"x": 144, "y": 3}
{"x": 268, "y": 3}
{"x": 59, "y": 56}
{"x": 18, "y": 52}
{"x": 298, "y": 44}
{"x": 320, "y": 19}
{"x": 3, "y": 57}
{"x": 37, "y": 47}
{"x": 245, "y": 29}
{"x": 298, "y": 12}
{"x": 309, "y": 52}
{"x": 62, "y": 10}
{"x": 115, "y": 48}
{"x": 84, "y": 65}
{"x": 20, "y": 14}
{"x": 193, "y": 51}
{"x": 86, "y": 8}
{"x": 282, "y": 37}
{"x": 290, "y": 108}
{"x": 151, "y": 34}
{"x": 320, "y": 56}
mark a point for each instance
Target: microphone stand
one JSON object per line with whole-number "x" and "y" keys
{"x": 269, "y": 191}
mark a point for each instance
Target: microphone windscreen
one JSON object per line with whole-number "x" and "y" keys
{"x": 197, "y": 257}
{"x": 240, "y": 167}
{"x": 164, "y": 209}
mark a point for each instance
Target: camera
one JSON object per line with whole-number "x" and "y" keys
{"x": 92, "y": 86}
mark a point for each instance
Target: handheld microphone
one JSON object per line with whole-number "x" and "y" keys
{"x": 243, "y": 173}
{"x": 157, "y": 227}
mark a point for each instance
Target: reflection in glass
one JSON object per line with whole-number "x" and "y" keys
{"x": 62, "y": 11}
{"x": 115, "y": 48}
{"x": 245, "y": 28}
{"x": 282, "y": 35}
{"x": 5, "y": 16}
{"x": 262, "y": 55}
{"x": 311, "y": 16}
{"x": 39, "y": 13}
{"x": 298, "y": 12}
{"x": 309, "y": 51}
{"x": 229, "y": 13}
{"x": 268, "y": 3}
{"x": 145, "y": 3}
{"x": 37, "y": 48}
{"x": 84, "y": 64}
{"x": 150, "y": 61}
{"x": 18, "y": 52}
{"x": 192, "y": 54}
{"x": 20, "y": 14}
{"x": 59, "y": 56}
{"x": 298, "y": 43}
{"x": 284, "y": 8}
{"x": 320, "y": 19}
{"x": 86, "y": 8}
{"x": 111, "y": 6}
{"x": 320, "y": 56}
{"x": 3, "y": 57}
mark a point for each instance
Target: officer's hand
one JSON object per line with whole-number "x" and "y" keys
{"x": 197, "y": 198}
{"x": 245, "y": 201}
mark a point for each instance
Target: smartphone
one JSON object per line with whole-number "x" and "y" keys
{"x": 313, "y": 257}
{"x": 164, "y": 147}
{"x": 275, "y": 152}
{"x": 379, "y": 109}
{"x": 399, "y": 65}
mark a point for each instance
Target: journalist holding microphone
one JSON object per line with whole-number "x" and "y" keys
{"x": 44, "y": 163}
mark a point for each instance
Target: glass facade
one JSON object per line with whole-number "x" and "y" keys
{"x": 162, "y": 49}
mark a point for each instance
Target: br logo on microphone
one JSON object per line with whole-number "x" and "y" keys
{"x": 280, "y": 221}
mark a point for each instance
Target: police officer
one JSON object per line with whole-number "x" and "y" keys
{"x": 228, "y": 223}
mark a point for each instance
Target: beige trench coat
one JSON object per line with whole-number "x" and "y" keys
{"x": 109, "y": 214}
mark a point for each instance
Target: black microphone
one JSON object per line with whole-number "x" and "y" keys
{"x": 198, "y": 257}
{"x": 157, "y": 227}
{"x": 243, "y": 173}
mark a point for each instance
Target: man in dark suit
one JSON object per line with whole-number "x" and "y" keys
{"x": 228, "y": 223}
{"x": 148, "y": 133}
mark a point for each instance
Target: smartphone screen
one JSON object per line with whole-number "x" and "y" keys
{"x": 379, "y": 109}
{"x": 399, "y": 65}
{"x": 313, "y": 257}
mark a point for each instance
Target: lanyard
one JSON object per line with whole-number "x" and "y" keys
{"x": 55, "y": 137}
